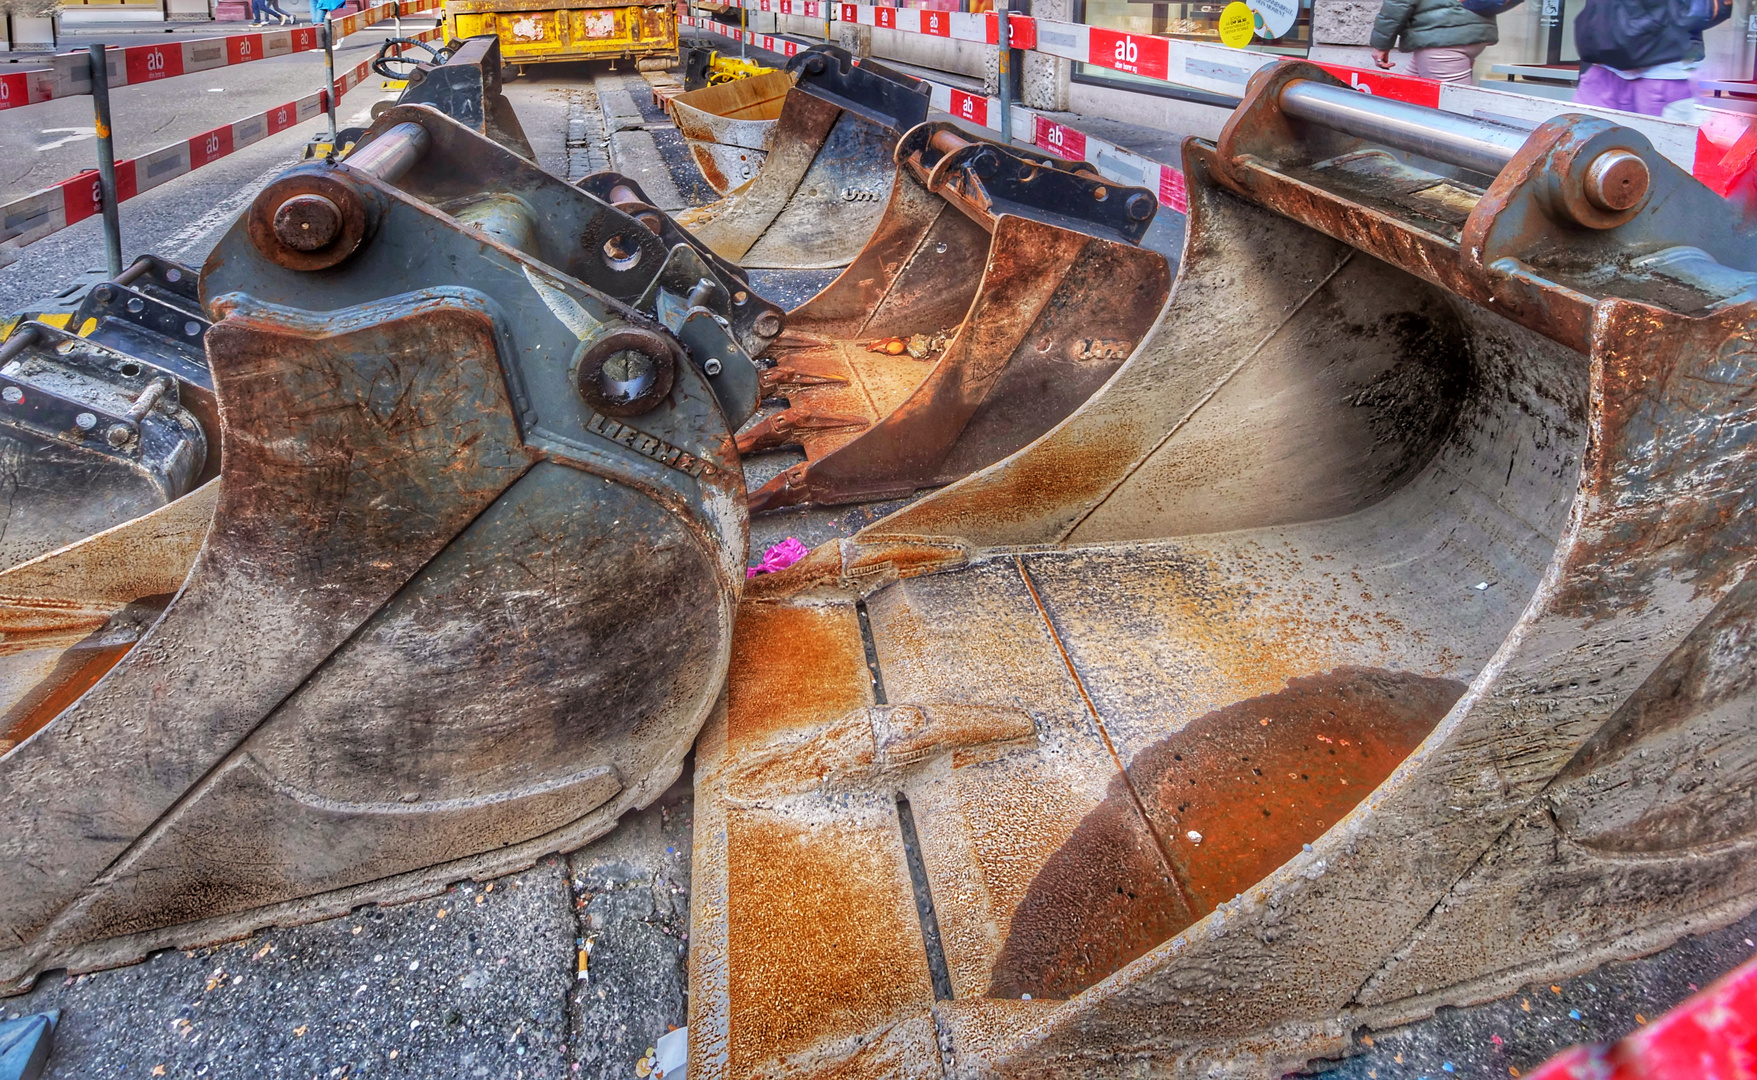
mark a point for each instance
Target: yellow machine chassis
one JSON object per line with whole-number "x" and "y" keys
{"x": 542, "y": 31}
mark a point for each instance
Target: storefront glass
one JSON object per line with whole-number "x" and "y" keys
{"x": 1192, "y": 21}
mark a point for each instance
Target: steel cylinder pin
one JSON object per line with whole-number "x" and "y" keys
{"x": 1617, "y": 180}
{"x": 307, "y": 222}
{"x": 391, "y": 154}
{"x": 147, "y": 399}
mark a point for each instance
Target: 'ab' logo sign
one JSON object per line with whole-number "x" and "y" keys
{"x": 970, "y": 107}
{"x": 1149, "y": 56}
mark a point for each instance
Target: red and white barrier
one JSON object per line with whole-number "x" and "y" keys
{"x": 69, "y": 74}
{"x": 1112, "y": 162}
{"x": 1219, "y": 69}
{"x": 54, "y": 208}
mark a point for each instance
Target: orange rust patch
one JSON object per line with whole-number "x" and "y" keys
{"x": 1253, "y": 781}
{"x": 824, "y": 942}
{"x": 78, "y": 671}
{"x": 793, "y": 666}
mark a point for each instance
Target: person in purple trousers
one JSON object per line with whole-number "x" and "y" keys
{"x": 1641, "y": 55}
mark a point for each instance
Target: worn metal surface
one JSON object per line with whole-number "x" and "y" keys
{"x": 730, "y": 127}
{"x": 1382, "y": 625}
{"x": 447, "y": 618}
{"x": 823, "y": 188}
{"x": 1018, "y": 313}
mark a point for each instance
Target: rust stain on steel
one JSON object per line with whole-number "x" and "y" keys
{"x": 76, "y": 671}
{"x": 833, "y": 949}
{"x": 731, "y": 122}
{"x": 419, "y": 429}
{"x": 1691, "y": 510}
{"x": 1252, "y": 781}
{"x": 772, "y": 644}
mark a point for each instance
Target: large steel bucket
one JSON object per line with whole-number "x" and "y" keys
{"x": 463, "y": 594}
{"x": 824, "y": 185}
{"x": 1020, "y": 287}
{"x": 1378, "y": 638}
{"x": 730, "y": 128}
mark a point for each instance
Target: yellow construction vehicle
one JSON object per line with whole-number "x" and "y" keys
{"x": 543, "y": 31}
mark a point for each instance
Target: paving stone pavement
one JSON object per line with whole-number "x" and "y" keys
{"x": 480, "y": 982}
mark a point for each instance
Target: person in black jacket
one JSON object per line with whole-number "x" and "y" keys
{"x": 1641, "y": 55}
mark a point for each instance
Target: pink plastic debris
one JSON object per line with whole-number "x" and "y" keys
{"x": 779, "y": 557}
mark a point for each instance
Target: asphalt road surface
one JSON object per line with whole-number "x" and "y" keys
{"x": 485, "y": 980}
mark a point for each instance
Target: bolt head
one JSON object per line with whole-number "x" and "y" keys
{"x": 118, "y": 435}
{"x": 1140, "y": 206}
{"x": 712, "y": 365}
{"x": 768, "y": 324}
{"x": 307, "y": 222}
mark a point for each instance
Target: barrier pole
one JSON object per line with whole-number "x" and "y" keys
{"x": 1004, "y": 73}
{"x": 743, "y": 28}
{"x": 329, "y": 74}
{"x": 106, "y": 160}
{"x": 827, "y": 10}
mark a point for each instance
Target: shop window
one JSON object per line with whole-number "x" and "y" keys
{"x": 1189, "y": 21}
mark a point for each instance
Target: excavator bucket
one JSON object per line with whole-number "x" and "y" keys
{"x": 999, "y": 291}
{"x": 462, "y": 592}
{"x": 730, "y": 127}
{"x": 824, "y": 185}
{"x": 1378, "y": 638}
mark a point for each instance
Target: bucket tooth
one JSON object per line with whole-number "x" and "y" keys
{"x": 356, "y": 693}
{"x": 1367, "y": 619}
{"x": 788, "y": 426}
{"x": 997, "y": 293}
{"x": 777, "y": 381}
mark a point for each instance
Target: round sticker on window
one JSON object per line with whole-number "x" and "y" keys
{"x": 1237, "y": 25}
{"x": 1274, "y": 17}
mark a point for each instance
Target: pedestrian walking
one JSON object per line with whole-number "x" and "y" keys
{"x": 320, "y": 10}
{"x": 1446, "y": 36}
{"x": 1642, "y": 55}
{"x": 268, "y": 12}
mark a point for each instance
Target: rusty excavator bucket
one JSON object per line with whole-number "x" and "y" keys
{"x": 998, "y": 292}
{"x": 824, "y": 184}
{"x": 730, "y": 127}
{"x": 461, "y": 594}
{"x": 1378, "y": 638}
